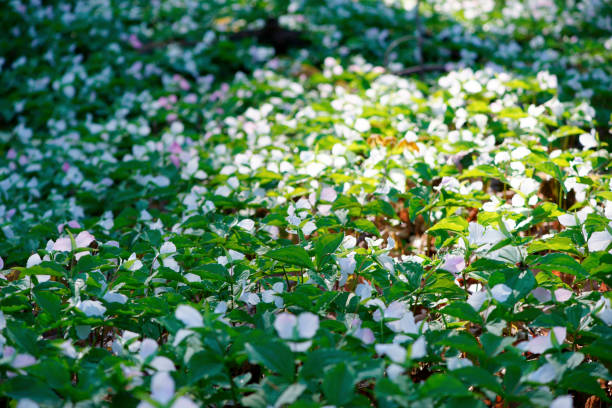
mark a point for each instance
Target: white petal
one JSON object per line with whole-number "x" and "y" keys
{"x": 115, "y": 297}
{"x": 161, "y": 363}
{"x": 84, "y": 239}
{"x": 167, "y": 248}
{"x": 419, "y": 348}
{"x": 147, "y": 348}
{"x": 543, "y": 375}
{"x": 394, "y": 351}
{"x": 162, "y": 387}
{"x": 567, "y": 220}
{"x": 91, "y": 308}
{"x": 33, "y": 260}
{"x": 501, "y": 292}
{"x": 62, "y": 244}
{"x": 477, "y": 299}
{"x": 284, "y": 325}
{"x": 599, "y": 241}
{"x": 307, "y": 324}
{"x": 189, "y": 316}
{"x": 564, "y": 401}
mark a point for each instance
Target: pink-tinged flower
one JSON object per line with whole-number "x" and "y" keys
{"x": 561, "y": 294}
{"x": 62, "y": 244}
{"x": 84, "y": 239}
{"x": 1, "y": 263}
{"x": 175, "y": 148}
{"x": 175, "y": 160}
{"x": 23, "y": 160}
{"x": 171, "y": 117}
{"x": 65, "y": 167}
{"x": 163, "y": 102}
{"x": 73, "y": 224}
{"x": 184, "y": 84}
{"x": 135, "y": 42}
{"x": 11, "y": 154}
{"x": 454, "y": 264}
{"x": 365, "y": 335}
{"x": 172, "y": 98}
{"x": 191, "y": 98}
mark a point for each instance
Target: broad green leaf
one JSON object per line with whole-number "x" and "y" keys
{"x": 273, "y": 355}
{"x": 293, "y": 255}
{"x": 338, "y": 385}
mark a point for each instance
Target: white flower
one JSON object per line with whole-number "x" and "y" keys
{"x": 33, "y": 260}
{"x": 364, "y": 291}
{"x": 564, "y": 401}
{"x": 162, "y": 387}
{"x": 309, "y": 227}
{"x": 91, "y": 308}
{"x": 307, "y": 324}
{"x": 477, "y": 299}
{"x": 189, "y": 316}
{"x": 587, "y": 140}
{"x": 395, "y": 352}
{"x": 419, "y": 348}
{"x": 454, "y": 363}
{"x": 362, "y": 125}
{"x": 147, "y": 348}
{"x": 540, "y": 344}
{"x": 247, "y": 224}
{"x": 284, "y": 325}
{"x": 167, "y": 248}
{"x": 501, "y": 292}
{"x": 543, "y": 375}
{"x": 115, "y": 297}
{"x": 599, "y": 241}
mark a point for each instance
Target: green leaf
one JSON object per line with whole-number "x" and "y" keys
{"x": 273, "y": 355}
{"x": 454, "y": 223}
{"x": 479, "y": 377}
{"x": 463, "y": 311}
{"x": 49, "y": 302}
{"x": 560, "y": 262}
{"x": 338, "y": 385}
{"x": 326, "y": 245}
{"x": 443, "y": 385}
{"x": 364, "y": 225}
{"x": 293, "y": 255}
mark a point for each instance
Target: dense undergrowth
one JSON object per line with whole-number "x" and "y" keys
{"x": 200, "y": 207}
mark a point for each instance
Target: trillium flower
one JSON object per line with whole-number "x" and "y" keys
{"x": 114, "y": 297}
{"x": 395, "y": 352}
{"x": 364, "y": 291}
{"x": 564, "y": 401}
{"x": 543, "y": 375}
{"x": 84, "y": 239}
{"x": 454, "y": 264}
{"x": 477, "y": 299}
{"x": 33, "y": 260}
{"x": 540, "y": 344}
{"x": 91, "y": 308}
{"x": 419, "y": 348}
{"x": 247, "y": 225}
{"x": 162, "y": 387}
{"x": 501, "y": 292}
{"x": 189, "y": 316}
{"x": 306, "y": 324}
{"x": 587, "y": 140}
{"x": 599, "y": 241}
{"x": 148, "y": 347}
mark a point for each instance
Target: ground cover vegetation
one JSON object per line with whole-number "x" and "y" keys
{"x": 306, "y": 203}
